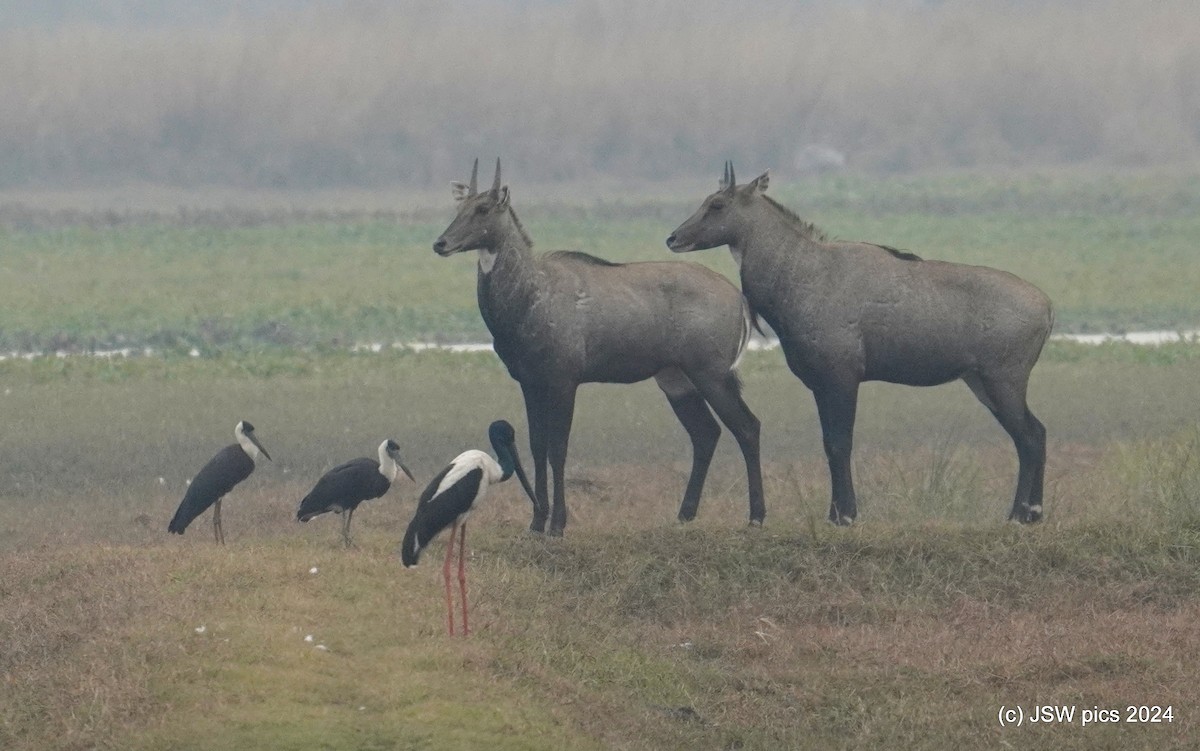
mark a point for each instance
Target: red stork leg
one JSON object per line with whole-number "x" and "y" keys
{"x": 462, "y": 574}
{"x": 446, "y": 580}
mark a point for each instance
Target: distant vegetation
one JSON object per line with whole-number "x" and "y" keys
{"x": 1113, "y": 251}
{"x": 324, "y": 94}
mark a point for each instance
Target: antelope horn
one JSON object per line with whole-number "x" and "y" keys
{"x": 474, "y": 186}
{"x": 732, "y": 180}
{"x": 496, "y": 182}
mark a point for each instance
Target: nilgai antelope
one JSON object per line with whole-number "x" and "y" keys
{"x": 565, "y": 318}
{"x": 230, "y": 466}
{"x": 848, "y": 312}
{"x": 449, "y": 499}
{"x": 344, "y": 487}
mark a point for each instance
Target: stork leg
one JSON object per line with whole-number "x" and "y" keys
{"x": 218, "y": 533}
{"x": 462, "y": 574}
{"x": 446, "y": 580}
{"x": 346, "y": 527}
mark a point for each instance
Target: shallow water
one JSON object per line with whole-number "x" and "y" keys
{"x": 1145, "y": 338}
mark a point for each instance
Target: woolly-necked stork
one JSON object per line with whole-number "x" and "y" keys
{"x": 342, "y": 488}
{"x": 448, "y": 500}
{"x": 230, "y": 466}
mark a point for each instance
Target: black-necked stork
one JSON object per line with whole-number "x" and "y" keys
{"x": 449, "y": 498}
{"x": 342, "y": 488}
{"x": 230, "y": 466}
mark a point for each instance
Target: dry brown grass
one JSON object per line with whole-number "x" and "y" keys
{"x": 910, "y": 630}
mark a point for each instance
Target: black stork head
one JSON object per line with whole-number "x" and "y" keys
{"x": 244, "y": 432}
{"x": 392, "y": 449}
{"x": 504, "y": 441}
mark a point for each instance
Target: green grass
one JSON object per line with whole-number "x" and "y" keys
{"x": 1112, "y": 251}
{"x": 74, "y": 423}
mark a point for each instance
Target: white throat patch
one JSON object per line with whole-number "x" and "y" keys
{"x": 247, "y": 445}
{"x": 487, "y": 259}
{"x": 387, "y": 465}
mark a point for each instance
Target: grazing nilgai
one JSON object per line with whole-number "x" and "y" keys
{"x": 849, "y": 312}
{"x": 566, "y": 318}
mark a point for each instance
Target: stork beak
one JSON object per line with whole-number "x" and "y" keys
{"x": 395, "y": 455}
{"x": 254, "y": 440}
{"x": 520, "y": 472}
{"x": 404, "y": 469}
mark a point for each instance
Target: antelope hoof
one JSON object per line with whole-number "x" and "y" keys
{"x": 685, "y": 517}
{"x": 1027, "y": 514}
{"x": 842, "y": 521}
{"x": 555, "y": 532}
{"x": 755, "y": 524}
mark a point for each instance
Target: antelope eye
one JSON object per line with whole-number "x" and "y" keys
{"x": 481, "y": 209}
{"x": 716, "y": 206}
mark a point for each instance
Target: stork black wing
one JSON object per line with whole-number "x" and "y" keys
{"x": 437, "y": 512}
{"x": 344, "y": 487}
{"x": 230, "y": 466}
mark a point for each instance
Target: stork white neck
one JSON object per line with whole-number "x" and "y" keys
{"x": 387, "y": 465}
{"x": 244, "y": 441}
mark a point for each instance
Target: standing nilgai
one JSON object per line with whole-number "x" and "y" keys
{"x": 849, "y": 312}
{"x": 566, "y": 318}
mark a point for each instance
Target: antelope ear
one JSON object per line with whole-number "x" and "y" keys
{"x": 459, "y": 190}
{"x": 759, "y": 184}
{"x": 502, "y": 201}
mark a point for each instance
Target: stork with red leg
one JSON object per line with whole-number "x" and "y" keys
{"x": 449, "y": 499}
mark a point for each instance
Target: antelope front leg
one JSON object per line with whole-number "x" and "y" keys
{"x": 535, "y": 410}
{"x": 558, "y": 421}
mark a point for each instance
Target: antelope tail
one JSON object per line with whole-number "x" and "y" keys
{"x": 749, "y": 325}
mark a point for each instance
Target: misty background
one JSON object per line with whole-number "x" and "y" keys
{"x": 304, "y": 94}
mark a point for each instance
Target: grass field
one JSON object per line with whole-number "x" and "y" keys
{"x": 911, "y": 630}
{"x": 1112, "y": 252}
